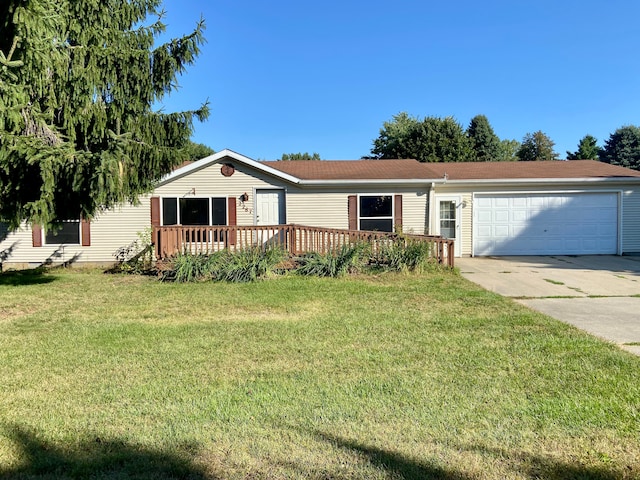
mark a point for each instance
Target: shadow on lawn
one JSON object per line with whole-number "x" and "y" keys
{"x": 394, "y": 463}
{"x": 526, "y": 464}
{"x": 550, "y": 468}
{"x": 97, "y": 459}
{"x": 17, "y": 278}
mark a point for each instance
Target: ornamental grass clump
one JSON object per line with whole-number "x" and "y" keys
{"x": 249, "y": 264}
{"x": 349, "y": 259}
{"x": 188, "y": 267}
{"x": 403, "y": 256}
{"x": 245, "y": 265}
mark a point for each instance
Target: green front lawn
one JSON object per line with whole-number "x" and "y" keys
{"x": 372, "y": 377}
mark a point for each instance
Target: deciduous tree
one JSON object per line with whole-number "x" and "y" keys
{"x": 536, "y": 146}
{"x": 623, "y": 148}
{"x": 300, "y": 156}
{"x": 433, "y": 139}
{"x": 508, "y": 150}
{"x": 79, "y": 80}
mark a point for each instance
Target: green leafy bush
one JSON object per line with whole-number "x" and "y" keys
{"x": 349, "y": 259}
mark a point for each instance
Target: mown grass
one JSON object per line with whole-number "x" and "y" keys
{"x": 386, "y": 377}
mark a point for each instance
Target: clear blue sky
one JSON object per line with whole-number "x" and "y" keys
{"x": 287, "y": 76}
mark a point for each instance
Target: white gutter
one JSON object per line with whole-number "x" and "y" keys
{"x": 379, "y": 181}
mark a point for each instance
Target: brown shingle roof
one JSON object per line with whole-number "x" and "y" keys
{"x": 412, "y": 169}
{"x": 351, "y": 169}
{"x": 528, "y": 170}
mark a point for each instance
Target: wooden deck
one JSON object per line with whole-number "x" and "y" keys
{"x": 296, "y": 239}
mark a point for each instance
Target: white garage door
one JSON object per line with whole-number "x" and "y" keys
{"x": 545, "y": 224}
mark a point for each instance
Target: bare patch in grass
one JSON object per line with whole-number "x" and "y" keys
{"x": 13, "y": 312}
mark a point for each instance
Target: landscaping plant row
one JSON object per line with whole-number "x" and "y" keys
{"x": 252, "y": 264}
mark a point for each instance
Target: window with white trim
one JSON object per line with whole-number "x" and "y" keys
{"x": 375, "y": 212}
{"x": 67, "y": 232}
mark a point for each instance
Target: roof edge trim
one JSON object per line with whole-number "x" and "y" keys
{"x": 221, "y": 155}
{"x": 440, "y": 181}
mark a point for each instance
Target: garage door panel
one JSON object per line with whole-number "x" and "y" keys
{"x": 546, "y": 224}
{"x": 519, "y": 216}
{"x": 484, "y": 202}
{"x": 537, "y": 201}
{"x": 501, "y": 216}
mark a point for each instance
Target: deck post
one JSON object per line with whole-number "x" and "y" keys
{"x": 293, "y": 244}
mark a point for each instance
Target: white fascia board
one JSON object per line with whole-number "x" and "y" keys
{"x": 377, "y": 182}
{"x": 226, "y": 154}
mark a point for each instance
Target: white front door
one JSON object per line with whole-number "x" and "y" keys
{"x": 270, "y": 208}
{"x": 448, "y": 219}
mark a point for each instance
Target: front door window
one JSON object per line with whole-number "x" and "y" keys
{"x": 448, "y": 219}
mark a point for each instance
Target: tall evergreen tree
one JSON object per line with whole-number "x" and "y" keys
{"x": 196, "y": 151}
{"x": 587, "y": 149}
{"x": 432, "y": 139}
{"x": 485, "y": 143}
{"x": 78, "y": 82}
{"x": 623, "y": 148}
{"x": 537, "y": 146}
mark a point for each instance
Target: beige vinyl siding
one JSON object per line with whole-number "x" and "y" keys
{"x": 317, "y": 208}
{"x": 323, "y": 208}
{"x": 117, "y": 228}
{"x": 466, "y": 228}
{"x": 320, "y": 207}
{"x": 209, "y": 182}
{"x": 110, "y": 230}
{"x": 415, "y": 212}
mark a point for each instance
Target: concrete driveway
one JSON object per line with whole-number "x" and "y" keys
{"x": 597, "y": 293}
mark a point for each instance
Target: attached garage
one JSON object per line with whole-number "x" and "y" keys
{"x": 578, "y": 207}
{"x": 546, "y": 224}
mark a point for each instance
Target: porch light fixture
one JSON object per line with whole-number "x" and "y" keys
{"x": 244, "y": 197}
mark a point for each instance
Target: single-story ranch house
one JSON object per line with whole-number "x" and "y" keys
{"x": 502, "y": 208}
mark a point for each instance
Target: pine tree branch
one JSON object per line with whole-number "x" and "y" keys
{"x": 6, "y": 60}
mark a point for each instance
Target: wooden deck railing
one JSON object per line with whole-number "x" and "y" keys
{"x": 296, "y": 239}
